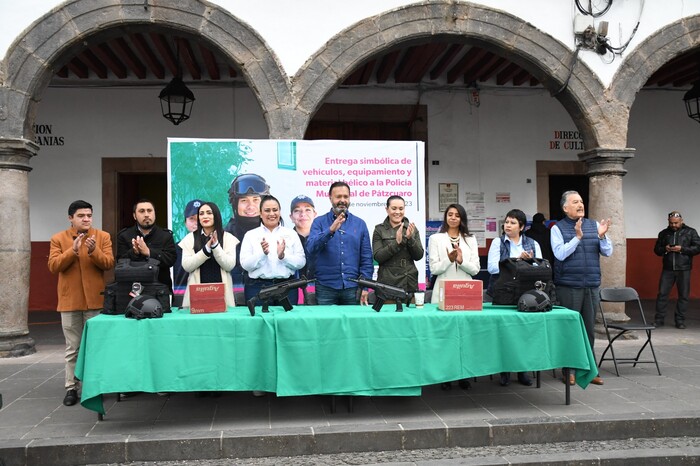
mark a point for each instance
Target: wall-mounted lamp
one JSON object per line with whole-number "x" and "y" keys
{"x": 692, "y": 101}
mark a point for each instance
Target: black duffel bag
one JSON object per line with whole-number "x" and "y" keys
{"x": 128, "y": 270}
{"x": 520, "y": 275}
{"x": 117, "y": 296}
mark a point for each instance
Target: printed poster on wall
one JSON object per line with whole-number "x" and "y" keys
{"x": 213, "y": 170}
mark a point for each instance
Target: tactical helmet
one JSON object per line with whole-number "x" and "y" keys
{"x": 245, "y": 185}
{"x": 144, "y": 307}
{"x": 534, "y": 301}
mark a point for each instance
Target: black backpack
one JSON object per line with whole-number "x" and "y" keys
{"x": 518, "y": 276}
{"x": 117, "y": 296}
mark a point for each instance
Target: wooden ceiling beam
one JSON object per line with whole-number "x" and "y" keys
{"x": 188, "y": 58}
{"x": 678, "y": 64}
{"x": 521, "y": 77}
{"x": 445, "y": 61}
{"x": 210, "y": 63}
{"x": 367, "y": 72}
{"x": 427, "y": 57}
{"x": 506, "y": 74}
{"x": 686, "y": 79}
{"x": 148, "y": 56}
{"x": 473, "y": 55}
{"x": 676, "y": 74}
{"x": 408, "y": 62}
{"x": 94, "y": 63}
{"x": 386, "y": 66}
{"x": 166, "y": 53}
{"x": 472, "y": 72}
{"x": 492, "y": 67}
{"x": 128, "y": 56}
{"x": 105, "y": 53}
{"x": 78, "y": 68}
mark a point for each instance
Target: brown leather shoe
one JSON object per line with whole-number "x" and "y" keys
{"x": 572, "y": 379}
{"x": 597, "y": 380}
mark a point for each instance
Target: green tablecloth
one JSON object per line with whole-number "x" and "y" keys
{"x": 325, "y": 350}
{"x": 353, "y": 349}
{"x": 180, "y": 352}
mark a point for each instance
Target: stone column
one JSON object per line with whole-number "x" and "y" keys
{"x": 15, "y": 246}
{"x": 605, "y": 169}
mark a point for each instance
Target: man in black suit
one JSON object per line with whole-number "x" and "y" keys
{"x": 146, "y": 239}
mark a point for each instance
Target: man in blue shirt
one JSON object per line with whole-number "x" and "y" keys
{"x": 578, "y": 243}
{"x": 340, "y": 247}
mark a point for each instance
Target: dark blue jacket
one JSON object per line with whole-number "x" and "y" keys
{"x": 582, "y": 268}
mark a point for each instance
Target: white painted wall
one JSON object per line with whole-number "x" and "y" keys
{"x": 492, "y": 148}
{"x": 118, "y": 123}
{"x": 663, "y": 176}
{"x": 295, "y": 30}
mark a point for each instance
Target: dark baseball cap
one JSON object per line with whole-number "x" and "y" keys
{"x": 192, "y": 207}
{"x": 301, "y": 199}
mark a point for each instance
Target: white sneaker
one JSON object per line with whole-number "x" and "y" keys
{"x": 258, "y": 393}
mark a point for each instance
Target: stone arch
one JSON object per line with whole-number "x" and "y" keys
{"x": 545, "y": 57}
{"x": 667, "y": 43}
{"x": 33, "y": 58}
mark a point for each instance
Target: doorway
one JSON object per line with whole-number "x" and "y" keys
{"x": 131, "y": 187}
{"x": 555, "y": 177}
{"x": 124, "y": 181}
{"x": 559, "y": 184}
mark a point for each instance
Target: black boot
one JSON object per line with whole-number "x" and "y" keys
{"x": 505, "y": 379}
{"x": 524, "y": 379}
{"x": 465, "y": 385}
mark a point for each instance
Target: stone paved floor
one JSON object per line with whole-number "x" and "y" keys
{"x": 32, "y": 393}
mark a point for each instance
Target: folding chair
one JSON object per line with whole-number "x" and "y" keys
{"x": 624, "y": 295}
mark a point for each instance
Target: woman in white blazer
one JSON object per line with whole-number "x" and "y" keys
{"x": 209, "y": 253}
{"x": 453, "y": 252}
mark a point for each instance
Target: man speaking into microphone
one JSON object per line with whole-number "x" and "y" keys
{"x": 340, "y": 246}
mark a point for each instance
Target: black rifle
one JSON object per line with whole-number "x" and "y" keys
{"x": 279, "y": 293}
{"x": 383, "y": 292}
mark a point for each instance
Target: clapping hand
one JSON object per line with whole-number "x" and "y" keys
{"x": 280, "y": 248}
{"x": 90, "y": 243}
{"x": 76, "y": 243}
{"x": 139, "y": 247}
{"x": 213, "y": 240}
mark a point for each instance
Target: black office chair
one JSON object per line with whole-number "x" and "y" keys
{"x": 625, "y": 295}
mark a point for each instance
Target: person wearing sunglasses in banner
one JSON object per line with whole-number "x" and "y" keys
{"x": 244, "y": 196}
{"x": 512, "y": 243}
{"x": 396, "y": 244}
{"x": 676, "y": 244}
{"x": 209, "y": 253}
{"x": 271, "y": 253}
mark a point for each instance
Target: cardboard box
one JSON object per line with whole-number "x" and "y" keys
{"x": 461, "y": 295}
{"x": 207, "y": 298}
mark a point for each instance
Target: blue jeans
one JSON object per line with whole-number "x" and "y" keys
{"x": 583, "y": 300}
{"x": 327, "y": 295}
{"x": 681, "y": 278}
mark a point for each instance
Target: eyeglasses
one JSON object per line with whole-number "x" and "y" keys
{"x": 674, "y": 215}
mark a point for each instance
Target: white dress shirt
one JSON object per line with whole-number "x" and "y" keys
{"x": 268, "y": 266}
